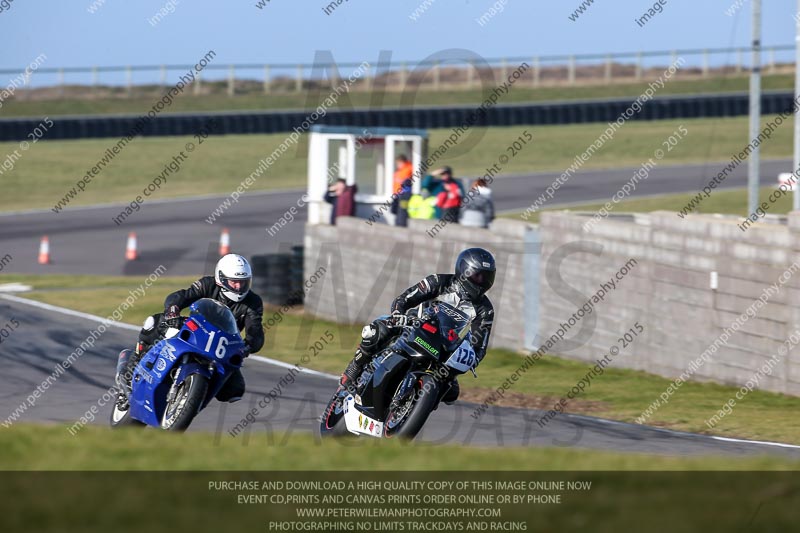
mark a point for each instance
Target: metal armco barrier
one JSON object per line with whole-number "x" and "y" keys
{"x": 543, "y": 113}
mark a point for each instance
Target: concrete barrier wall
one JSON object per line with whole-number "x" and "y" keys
{"x": 547, "y": 273}
{"x": 669, "y": 292}
{"x": 369, "y": 265}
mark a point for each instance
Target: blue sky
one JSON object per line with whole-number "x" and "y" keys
{"x": 290, "y": 31}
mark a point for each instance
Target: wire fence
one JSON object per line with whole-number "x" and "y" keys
{"x": 452, "y": 73}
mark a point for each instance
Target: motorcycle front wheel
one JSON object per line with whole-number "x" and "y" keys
{"x": 406, "y": 419}
{"x": 122, "y": 418}
{"x": 180, "y": 412}
{"x": 332, "y": 423}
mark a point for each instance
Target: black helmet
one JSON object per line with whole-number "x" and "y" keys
{"x": 475, "y": 271}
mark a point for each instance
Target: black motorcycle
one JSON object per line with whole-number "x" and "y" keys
{"x": 405, "y": 382}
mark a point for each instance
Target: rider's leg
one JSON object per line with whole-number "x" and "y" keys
{"x": 233, "y": 389}
{"x": 374, "y": 336}
{"x": 148, "y": 336}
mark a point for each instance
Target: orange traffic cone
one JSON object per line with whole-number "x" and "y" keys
{"x": 130, "y": 250}
{"x": 44, "y": 251}
{"x": 224, "y": 242}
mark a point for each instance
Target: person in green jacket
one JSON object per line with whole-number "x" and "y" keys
{"x": 422, "y": 206}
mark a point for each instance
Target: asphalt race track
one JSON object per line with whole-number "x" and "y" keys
{"x": 175, "y": 233}
{"x": 46, "y": 337}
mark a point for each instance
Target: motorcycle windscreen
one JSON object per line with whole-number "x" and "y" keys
{"x": 216, "y": 314}
{"x": 454, "y": 325}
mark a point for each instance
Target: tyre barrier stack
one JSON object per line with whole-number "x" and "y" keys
{"x": 278, "y": 277}
{"x": 425, "y": 117}
{"x": 296, "y": 276}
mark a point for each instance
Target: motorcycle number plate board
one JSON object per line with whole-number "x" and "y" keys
{"x": 463, "y": 359}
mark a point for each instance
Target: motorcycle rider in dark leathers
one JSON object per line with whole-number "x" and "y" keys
{"x": 230, "y": 285}
{"x": 474, "y": 275}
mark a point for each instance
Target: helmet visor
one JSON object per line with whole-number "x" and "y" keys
{"x": 235, "y": 285}
{"x": 484, "y": 279}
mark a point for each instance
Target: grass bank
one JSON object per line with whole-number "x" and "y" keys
{"x": 47, "y": 171}
{"x": 188, "y": 102}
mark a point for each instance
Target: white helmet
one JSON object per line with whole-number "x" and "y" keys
{"x": 234, "y": 268}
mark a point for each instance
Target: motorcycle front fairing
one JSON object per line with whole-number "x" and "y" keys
{"x": 197, "y": 348}
{"x": 389, "y": 370}
{"x": 150, "y": 386}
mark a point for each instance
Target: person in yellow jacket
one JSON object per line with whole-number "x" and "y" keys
{"x": 422, "y": 206}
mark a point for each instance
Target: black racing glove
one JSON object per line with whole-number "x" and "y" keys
{"x": 397, "y": 318}
{"x": 172, "y": 315}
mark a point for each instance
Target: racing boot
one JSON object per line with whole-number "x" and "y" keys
{"x": 452, "y": 393}
{"x": 124, "y": 377}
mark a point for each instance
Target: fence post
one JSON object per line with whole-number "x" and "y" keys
{"x": 129, "y": 80}
{"x": 639, "y": 66}
{"x": 163, "y": 75}
{"x": 334, "y": 78}
{"x": 571, "y": 70}
{"x": 436, "y": 73}
{"x": 504, "y": 68}
{"x": 231, "y": 80}
{"x": 772, "y": 66}
{"x": 298, "y": 82}
{"x": 61, "y": 82}
{"x": 369, "y": 80}
{"x": 536, "y": 71}
{"x": 404, "y": 75}
{"x": 196, "y": 84}
{"x": 266, "y": 79}
{"x": 705, "y": 63}
{"x": 94, "y": 79}
{"x": 609, "y": 65}
{"x": 739, "y": 61}
{"x": 27, "y": 83}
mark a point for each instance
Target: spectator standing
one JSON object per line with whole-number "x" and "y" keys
{"x": 449, "y": 200}
{"x": 332, "y": 197}
{"x": 434, "y": 185}
{"x": 346, "y": 203}
{"x": 478, "y": 211}
{"x": 401, "y": 189}
{"x": 422, "y": 206}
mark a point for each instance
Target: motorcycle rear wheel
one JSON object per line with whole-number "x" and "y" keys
{"x": 180, "y": 412}
{"x": 408, "y": 424}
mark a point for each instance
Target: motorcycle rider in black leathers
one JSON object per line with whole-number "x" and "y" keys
{"x": 230, "y": 285}
{"x": 474, "y": 275}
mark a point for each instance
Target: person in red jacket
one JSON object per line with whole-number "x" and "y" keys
{"x": 449, "y": 200}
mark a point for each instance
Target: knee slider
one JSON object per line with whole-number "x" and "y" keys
{"x": 149, "y": 323}
{"x": 373, "y": 335}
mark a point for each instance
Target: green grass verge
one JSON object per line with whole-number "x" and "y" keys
{"x": 221, "y": 102}
{"x": 619, "y": 394}
{"x": 30, "y": 447}
{"x": 732, "y": 202}
{"x": 46, "y": 172}
{"x": 149, "y": 480}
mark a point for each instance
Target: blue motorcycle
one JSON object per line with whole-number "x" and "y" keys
{"x": 183, "y": 372}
